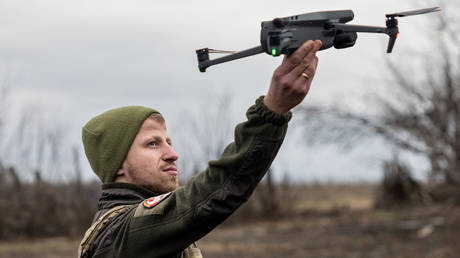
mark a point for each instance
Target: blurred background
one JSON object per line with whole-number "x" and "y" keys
{"x": 370, "y": 166}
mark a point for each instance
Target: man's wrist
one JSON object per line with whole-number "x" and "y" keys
{"x": 273, "y": 107}
{"x": 269, "y": 115}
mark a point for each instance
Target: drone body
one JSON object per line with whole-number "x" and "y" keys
{"x": 285, "y": 35}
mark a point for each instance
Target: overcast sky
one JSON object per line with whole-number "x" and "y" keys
{"x": 76, "y": 59}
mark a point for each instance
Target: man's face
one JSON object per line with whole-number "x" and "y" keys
{"x": 150, "y": 161}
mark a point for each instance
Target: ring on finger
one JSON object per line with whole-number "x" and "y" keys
{"x": 306, "y": 76}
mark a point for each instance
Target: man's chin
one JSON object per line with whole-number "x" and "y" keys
{"x": 171, "y": 186}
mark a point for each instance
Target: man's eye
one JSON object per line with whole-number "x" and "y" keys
{"x": 153, "y": 144}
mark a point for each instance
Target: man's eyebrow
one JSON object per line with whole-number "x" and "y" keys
{"x": 156, "y": 138}
{"x": 152, "y": 137}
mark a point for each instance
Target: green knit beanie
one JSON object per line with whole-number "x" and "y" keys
{"x": 107, "y": 138}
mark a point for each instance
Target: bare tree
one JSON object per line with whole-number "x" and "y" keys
{"x": 420, "y": 116}
{"x": 202, "y": 137}
{"x": 34, "y": 143}
{"x": 76, "y": 164}
{"x": 4, "y": 89}
{"x": 398, "y": 188}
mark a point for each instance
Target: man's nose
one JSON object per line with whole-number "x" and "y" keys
{"x": 170, "y": 154}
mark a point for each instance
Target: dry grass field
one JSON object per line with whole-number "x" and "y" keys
{"x": 324, "y": 221}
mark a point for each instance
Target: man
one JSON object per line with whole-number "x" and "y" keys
{"x": 142, "y": 211}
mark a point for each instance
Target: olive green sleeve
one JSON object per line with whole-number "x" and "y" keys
{"x": 193, "y": 210}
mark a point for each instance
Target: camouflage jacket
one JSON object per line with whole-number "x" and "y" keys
{"x": 164, "y": 226}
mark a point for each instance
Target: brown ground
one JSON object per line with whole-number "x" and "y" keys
{"x": 330, "y": 221}
{"x": 422, "y": 232}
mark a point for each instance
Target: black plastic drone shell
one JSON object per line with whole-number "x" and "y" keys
{"x": 285, "y": 35}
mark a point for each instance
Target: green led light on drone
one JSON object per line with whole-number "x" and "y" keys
{"x": 274, "y": 51}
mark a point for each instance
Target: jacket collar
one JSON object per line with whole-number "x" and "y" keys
{"x": 114, "y": 194}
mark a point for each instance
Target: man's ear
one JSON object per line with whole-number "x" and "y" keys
{"x": 122, "y": 173}
{"x": 122, "y": 170}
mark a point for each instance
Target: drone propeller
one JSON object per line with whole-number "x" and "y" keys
{"x": 415, "y": 12}
{"x": 392, "y": 23}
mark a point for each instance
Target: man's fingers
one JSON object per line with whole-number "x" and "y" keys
{"x": 300, "y": 53}
{"x": 289, "y": 62}
{"x": 302, "y": 84}
{"x": 306, "y": 62}
{"x": 309, "y": 72}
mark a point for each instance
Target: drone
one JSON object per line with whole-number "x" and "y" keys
{"x": 285, "y": 35}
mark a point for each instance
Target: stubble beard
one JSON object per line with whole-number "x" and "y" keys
{"x": 161, "y": 186}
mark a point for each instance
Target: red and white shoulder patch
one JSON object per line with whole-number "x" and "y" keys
{"x": 153, "y": 201}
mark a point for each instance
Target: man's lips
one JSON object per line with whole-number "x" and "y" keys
{"x": 172, "y": 170}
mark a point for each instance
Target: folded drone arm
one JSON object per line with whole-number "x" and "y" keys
{"x": 204, "y": 61}
{"x": 392, "y": 32}
{"x": 359, "y": 28}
